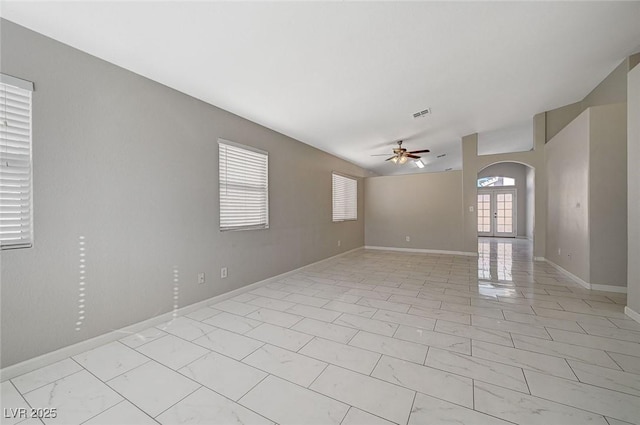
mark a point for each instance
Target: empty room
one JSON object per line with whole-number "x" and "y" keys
{"x": 310, "y": 213}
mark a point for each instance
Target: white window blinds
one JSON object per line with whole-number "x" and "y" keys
{"x": 244, "y": 188}
{"x": 16, "y": 223}
{"x": 345, "y": 198}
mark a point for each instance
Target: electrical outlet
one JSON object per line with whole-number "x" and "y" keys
{"x": 223, "y": 272}
{"x": 408, "y": 238}
{"x": 339, "y": 243}
{"x": 559, "y": 251}
{"x": 200, "y": 278}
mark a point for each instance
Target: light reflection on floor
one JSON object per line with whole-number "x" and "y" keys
{"x": 496, "y": 260}
{"x": 516, "y": 346}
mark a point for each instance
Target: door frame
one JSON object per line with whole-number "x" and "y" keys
{"x": 493, "y": 192}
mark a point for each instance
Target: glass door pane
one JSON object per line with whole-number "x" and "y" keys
{"x": 505, "y": 213}
{"x": 484, "y": 214}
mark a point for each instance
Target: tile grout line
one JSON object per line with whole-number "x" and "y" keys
{"x": 313, "y": 337}
{"x": 249, "y": 390}
{"x": 444, "y": 333}
{"x": 473, "y": 394}
{"x": 43, "y": 385}
{"x": 524, "y": 375}
{"x": 314, "y": 379}
{"x": 117, "y": 404}
{"x": 413, "y": 403}
{"x": 594, "y": 385}
{"x": 325, "y": 395}
{"x": 376, "y": 365}
{"x": 572, "y": 406}
{"x": 575, "y": 345}
{"x": 216, "y": 392}
{"x": 22, "y": 396}
{"x": 113, "y": 389}
{"x": 346, "y": 414}
{"x": 186, "y": 396}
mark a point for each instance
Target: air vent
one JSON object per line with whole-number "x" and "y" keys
{"x": 441, "y": 156}
{"x": 422, "y": 113}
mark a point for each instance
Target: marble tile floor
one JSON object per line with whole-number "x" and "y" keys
{"x": 373, "y": 337}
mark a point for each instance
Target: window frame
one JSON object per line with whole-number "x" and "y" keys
{"x": 25, "y": 86}
{"x": 261, "y": 226}
{"x": 333, "y": 196}
{"x": 495, "y": 177}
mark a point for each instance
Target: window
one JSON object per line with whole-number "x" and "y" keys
{"x": 345, "y": 198}
{"x": 496, "y": 181}
{"x": 244, "y": 189}
{"x": 16, "y": 216}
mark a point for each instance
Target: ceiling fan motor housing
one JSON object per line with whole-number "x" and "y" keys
{"x": 399, "y": 149}
{"x": 400, "y": 154}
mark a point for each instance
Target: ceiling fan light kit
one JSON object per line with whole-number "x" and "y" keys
{"x": 401, "y": 156}
{"x": 398, "y": 160}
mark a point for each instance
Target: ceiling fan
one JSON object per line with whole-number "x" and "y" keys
{"x": 401, "y": 155}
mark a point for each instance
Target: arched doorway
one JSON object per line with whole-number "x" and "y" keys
{"x": 505, "y": 213}
{"x": 506, "y": 200}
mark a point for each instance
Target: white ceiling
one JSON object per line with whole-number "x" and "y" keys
{"x": 514, "y": 138}
{"x": 346, "y": 77}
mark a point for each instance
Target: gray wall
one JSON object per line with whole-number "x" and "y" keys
{"x": 633, "y": 190}
{"x": 131, "y": 166}
{"x": 473, "y": 163}
{"x": 587, "y": 201}
{"x": 426, "y": 207}
{"x": 558, "y": 118}
{"x": 613, "y": 89}
{"x": 567, "y": 170}
{"x": 608, "y": 194}
{"x": 518, "y": 172}
{"x": 633, "y": 61}
{"x": 531, "y": 199}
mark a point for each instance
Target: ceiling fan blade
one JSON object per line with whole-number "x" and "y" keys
{"x": 422, "y": 151}
{"x": 389, "y": 159}
{"x": 412, "y": 156}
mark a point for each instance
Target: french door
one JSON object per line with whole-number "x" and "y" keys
{"x": 497, "y": 212}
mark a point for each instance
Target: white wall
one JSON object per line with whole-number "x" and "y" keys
{"x": 426, "y": 207}
{"x": 131, "y": 166}
{"x": 633, "y": 190}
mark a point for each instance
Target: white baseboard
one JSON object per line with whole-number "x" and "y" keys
{"x": 632, "y": 313}
{"x": 609, "y": 288}
{"x": 587, "y": 285}
{"x": 539, "y": 259}
{"x": 567, "y": 273}
{"x": 89, "y": 344}
{"x": 424, "y": 251}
